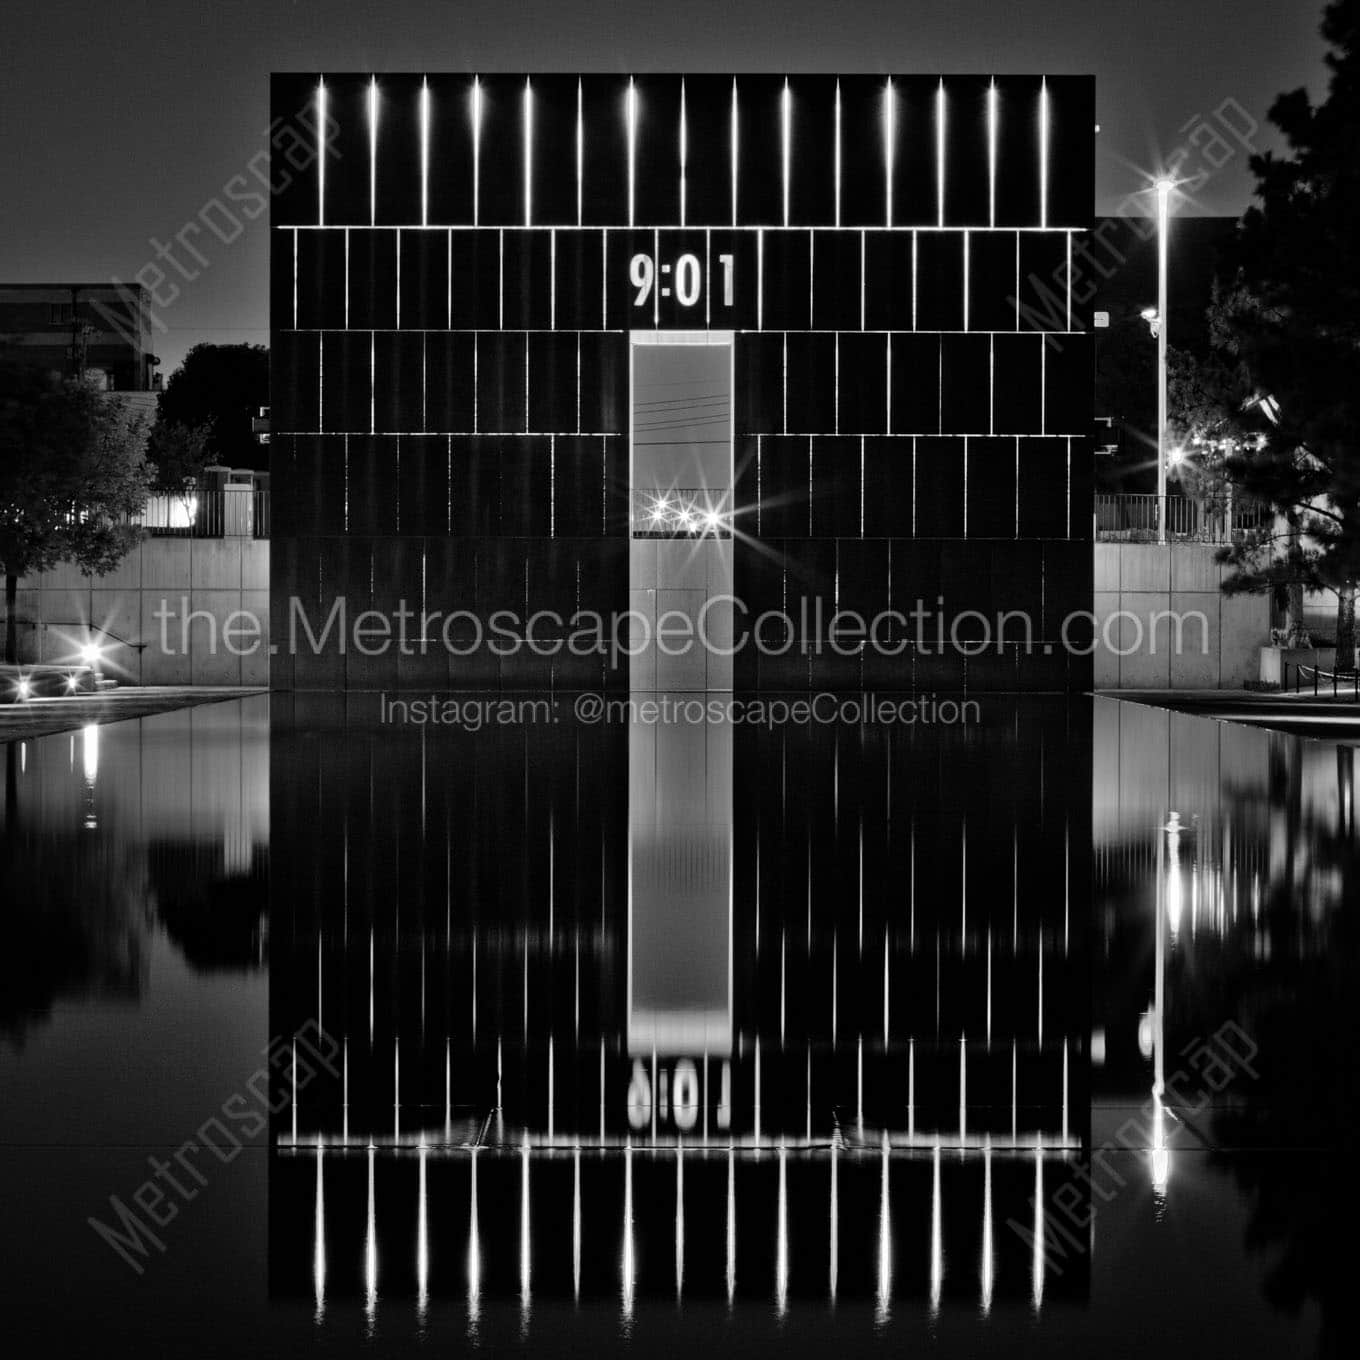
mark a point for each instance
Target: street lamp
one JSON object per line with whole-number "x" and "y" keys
{"x": 1163, "y": 187}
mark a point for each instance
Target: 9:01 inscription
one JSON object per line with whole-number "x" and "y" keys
{"x": 684, "y": 279}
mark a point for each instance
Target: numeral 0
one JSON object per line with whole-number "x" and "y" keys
{"x": 689, "y": 279}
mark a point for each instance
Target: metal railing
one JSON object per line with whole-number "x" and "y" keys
{"x": 1304, "y": 675}
{"x": 1127, "y": 518}
{"x": 231, "y": 512}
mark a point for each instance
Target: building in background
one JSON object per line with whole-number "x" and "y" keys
{"x": 101, "y": 330}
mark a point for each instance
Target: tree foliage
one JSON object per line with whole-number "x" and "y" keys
{"x": 72, "y": 471}
{"x": 220, "y": 386}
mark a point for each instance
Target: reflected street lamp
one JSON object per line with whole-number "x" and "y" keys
{"x": 1163, "y": 222}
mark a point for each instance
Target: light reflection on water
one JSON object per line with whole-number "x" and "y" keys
{"x": 764, "y": 1018}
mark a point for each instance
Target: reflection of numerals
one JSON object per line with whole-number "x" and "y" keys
{"x": 688, "y": 279}
{"x": 678, "y": 1095}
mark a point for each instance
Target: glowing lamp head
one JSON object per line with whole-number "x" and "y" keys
{"x": 1149, "y": 314}
{"x": 1164, "y": 187}
{"x": 712, "y": 521}
{"x": 90, "y": 654}
{"x": 1176, "y": 457}
{"x": 24, "y": 688}
{"x": 72, "y": 682}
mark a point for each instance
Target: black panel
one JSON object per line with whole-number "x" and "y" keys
{"x": 578, "y": 486}
{"x": 991, "y": 488}
{"x": 424, "y": 279}
{"x": 1043, "y": 488}
{"x": 295, "y": 375}
{"x": 527, "y": 280}
{"x": 915, "y": 383}
{"x": 964, "y": 363}
{"x": 526, "y": 488}
{"x": 863, "y": 199}
{"x": 1017, "y": 161}
{"x": 553, "y": 163}
{"x": 888, "y": 486}
{"x": 372, "y": 279}
{"x": 835, "y": 280}
{"x": 287, "y": 174}
{"x": 605, "y": 139}
{"x": 657, "y": 159}
{"x": 398, "y": 381}
{"x": 476, "y": 280}
{"x": 1068, "y": 382}
{"x": 501, "y": 383}
{"x": 967, "y": 200}
{"x": 552, "y": 381}
{"x": 372, "y": 484}
{"x": 759, "y": 396}
{"x": 888, "y": 279}
{"x": 836, "y": 485}
{"x": 991, "y": 280}
{"x": 501, "y": 171}
{"x": 939, "y": 488}
{"x": 708, "y": 174}
{"x": 318, "y": 472}
{"x": 785, "y": 470}
{"x": 347, "y": 357}
{"x": 1071, "y": 171}
{"x": 397, "y": 180}
{"x": 320, "y": 261}
{"x": 448, "y": 381}
{"x": 740, "y": 246}
{"x": 787, "y": 280}
{"x": 811, "y": 387}
{"x": 450, "y": 149}
{"x": 347, "y": 160}
{"x": 939, "y": 281}
{"x": 580, "y": 279}
{"x": 915, "y": 199}
{"x": 812, "y": 190}
{"x": 1016, "y": 384}
{"x": 1043, "y": 281}
{"x": 604, "y": 383}
{"x": 474, "y": 486}
{"x": 423, "y": 486}
{"x": 760, "y": 181}
{"x": 862, "y": 383}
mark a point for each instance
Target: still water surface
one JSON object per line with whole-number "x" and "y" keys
{"x": 1032, "y": 1036}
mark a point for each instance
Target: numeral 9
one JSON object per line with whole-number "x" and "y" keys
{"x": 642, "y": 274}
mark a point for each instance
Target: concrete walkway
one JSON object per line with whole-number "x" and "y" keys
{"x": 1323, "y": 717}
{"x": 42, "y": 717}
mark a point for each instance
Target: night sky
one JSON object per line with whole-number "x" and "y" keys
{"x": 119, "y": 121}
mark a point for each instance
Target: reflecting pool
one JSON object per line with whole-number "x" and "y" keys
{"x": 1023, "y": 1034}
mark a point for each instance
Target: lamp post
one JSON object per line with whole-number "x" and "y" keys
{"x": 1163, "y": 222}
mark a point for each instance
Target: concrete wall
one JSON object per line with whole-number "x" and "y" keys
{"x": 1135, "y": 582}
{"x": 217, "y": 576}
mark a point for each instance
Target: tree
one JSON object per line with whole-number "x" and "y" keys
{"x": 72, "y": 472}
{"x": 1292, "y": 322}
{"x": 178, "y": 454}
{"x": 220, "y": 386}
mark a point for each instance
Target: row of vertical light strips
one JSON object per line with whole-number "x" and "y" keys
{"x": 889, "y": 123}
{"x": 1039, "y": 1238}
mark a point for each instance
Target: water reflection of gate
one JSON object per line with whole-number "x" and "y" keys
{"x": 901, "y": 1065}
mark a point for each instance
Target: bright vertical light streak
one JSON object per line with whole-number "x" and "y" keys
{"x": 936, "y": 1235}
{"x": 632, "y": 116}
{"x": 684, "y": 152}
{"x": 835, "y": 1263}
{"x": 576, "y": 1224}
{"x": 580, "y": 147}
{"x": 476, "y": 149}
{"x": 731, "y": 1225}
{"x": 371, "y": 1244}
{"x": 889, "y": 150}
{"x": 89, "y": 752}
{"x": 474, "y": 1264}
{"x": 1037, "y": 1264}
{"x": 528, "y": 153}
{"x": 988, "y": 1261}
{"x": 679, "y": 1222}
{"x": 524, "y": 1226}
{"x": 993, "y": 133}
{"x": 321, "y": 116}
{"x": 786, "y": 143}
{"x": 733, "y": 149}
{"x": 372, "y": 150}
{"x": 963, "y": 1088}
{"x": 838, "y": 155}
{"x": 939, "y": 154}
{"x": 1043, "y": 154}
{"x": 884, "y": 1239}
{"x": 423, "y": 1236}
{"x": 628, "y": 1230}
{"x": 781, "y": 1263}
{"x": 319, "y": 1235}
{"x": 424, "y": 153}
